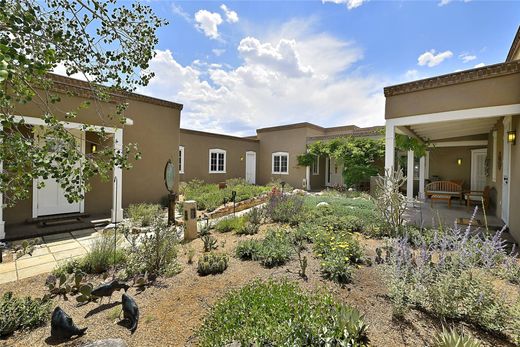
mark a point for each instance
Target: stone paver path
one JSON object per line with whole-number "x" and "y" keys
{"x": 51, "y": 250}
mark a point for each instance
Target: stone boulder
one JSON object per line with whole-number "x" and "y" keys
{"x": 323, "y": 203}
{"x": 107, "y": 343}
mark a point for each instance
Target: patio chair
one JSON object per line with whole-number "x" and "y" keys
{"x": 477, "y": 197}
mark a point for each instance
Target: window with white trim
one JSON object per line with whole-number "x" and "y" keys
{"x": 280, "y": 163}
{"x": 181, "y": 159}
{"x": 494, "y": 159}
{"x": 217, "y": 161}
{"x": 315, "y": 166}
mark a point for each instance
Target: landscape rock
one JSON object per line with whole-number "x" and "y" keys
{"x": 107, "y": 343}
{"x": 323, "y": 203}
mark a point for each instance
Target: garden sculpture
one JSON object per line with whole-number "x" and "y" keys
{"x": 107, "y": 289}
{"x": 130, "y": 311}
{"x": 62, "y": 326}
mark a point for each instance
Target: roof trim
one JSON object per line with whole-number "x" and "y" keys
{"x": 290, "y": 126}
{"x": 83, "y": 88}
{"x": 471, "y": 75}
{"x": 515, "y": 46}
{"x": 359, "y": 132}
{"x": 204, "y": 133}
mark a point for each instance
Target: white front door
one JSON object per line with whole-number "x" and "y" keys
{"x": 506, "y": 171}
{"x": 478, "y": 169}
{"x": 251, "y": 167}
{"x": 51, "y": 199}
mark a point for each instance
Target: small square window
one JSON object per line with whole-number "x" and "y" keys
{"x": 280, "y": 164}
{"x": 217, "y": 161}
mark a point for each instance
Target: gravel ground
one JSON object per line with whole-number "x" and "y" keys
{"x": 173, "y": 309}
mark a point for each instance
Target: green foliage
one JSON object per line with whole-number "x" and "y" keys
{"x": 22, "y": 313}
{"x": 407, "y": 143}
{"x": 358, "y": 156}
{"x": 284, "y": 208}
{"x": 209, "y": 243}
{"x": 276, "y": 249}
{"x": 248, "y": 249}
{"x": 104, "y": 41}
{"x": 143, "y": 214}
{"x": 248, "y": 229}
{"x": 280, "y": 314}
{"x": 451, "y": 338}
{"x": 390, "y": 202}
{"x": 209, "y": 196}
{"x": 212, "y": 264}
{"x": 230, "y": 223}
{"x": 154, "y": 253}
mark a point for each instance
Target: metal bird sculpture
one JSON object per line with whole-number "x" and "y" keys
{"x": 62, "y": 326}
{"x": 107, "y": 289}
{"x": 130, "y": 311}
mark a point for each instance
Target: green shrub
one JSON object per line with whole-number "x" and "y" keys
{"x": 451, "y": 338}
{"x": 212, "y": 264}
{"x": 276, "y": 249}
{"x": 209, "y": 243}
{"x": 99, "y": 259}
{"x": 22, "y": 313}
{"x": 143, "y": 214}
{"x": 154, "y": 253}
{"x": 230, "y": 223}
{"x": 280, "y": 314}
{"x": 248, "y": 229}
{"x": 248, "y": 249}
{"x": 284, "y": 208}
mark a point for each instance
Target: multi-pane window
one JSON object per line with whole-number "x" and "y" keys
{"x": 280, "y": 163}
{"x": 315, "y": 167}
{"x": 217, "y": 161}
{"x": 181, "y": 159}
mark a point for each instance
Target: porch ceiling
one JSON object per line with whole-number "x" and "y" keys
{"x": 451, "y": 129}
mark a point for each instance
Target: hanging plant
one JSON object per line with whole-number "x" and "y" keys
{"x": 305, "y": 159}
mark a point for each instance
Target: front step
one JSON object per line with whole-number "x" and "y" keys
{"x": 57, "y": 218}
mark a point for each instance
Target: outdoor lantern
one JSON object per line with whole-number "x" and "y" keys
{"x": 93, "y": 148}
{"x": 459, "y": 161}
{"x": 283, "y": 185}
{"x": 511, "y": 137}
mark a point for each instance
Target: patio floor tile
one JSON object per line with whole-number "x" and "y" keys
{"x": 71, "y": 253}
{"x": 57, "y": 237}
{"x": 7, "y": 267}
{"x": 33, "y": 261}
{"x": 36, "y": 270}
{"x": 63, "y": 247}
{"x": 86, "y": 233}
{"x": 8, "y": 276}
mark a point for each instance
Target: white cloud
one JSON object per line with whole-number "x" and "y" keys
{"x": 177, "y": 9}
{"x": 305, "y": 76}
{"x": 411, "y": 75}
{"x": 446, "y": 2}
{"x": 208, "y": 22}
{"x": 218, "y": 51}
{"x": 479, "y": 65}
{"x": 465, "y": 57}
{"x": 351, "y": 4}
{"x": 60, "y": 69}
{"x": 431, "y": 59}
{"x": 231, "y": 16}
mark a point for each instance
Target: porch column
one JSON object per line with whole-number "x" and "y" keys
{"x": 2, "y": 223}
{"x": 389, "y": 147}
{"x": 117, "y": 188}
{"x": 409, "y": 176}
{"x": 422, "y": 169}
{"x": 308, "y": 177}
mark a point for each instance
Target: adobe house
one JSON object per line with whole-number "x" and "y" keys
{"x": 471, "y": 118}
{"x": 270, "y": 155}
{"x": 152, "y": 123}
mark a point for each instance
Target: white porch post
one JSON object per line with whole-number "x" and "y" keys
{"x": 308, "y": 177}
{"x": 389, "y": 147}
{"x": 2, "y": 223}
{"x": 422, "y": 169}
{"x": 409, "y": 176}
{"x": 117, "y": 188}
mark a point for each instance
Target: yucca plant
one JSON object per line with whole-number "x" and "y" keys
{"x": 451, "y": 338}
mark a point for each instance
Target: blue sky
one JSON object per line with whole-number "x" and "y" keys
{"x": 241, "y": 65}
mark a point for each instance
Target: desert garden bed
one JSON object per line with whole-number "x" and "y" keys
{"x": 324, "y": 253}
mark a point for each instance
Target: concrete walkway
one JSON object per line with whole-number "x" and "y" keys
{"x": 51, "y": 250}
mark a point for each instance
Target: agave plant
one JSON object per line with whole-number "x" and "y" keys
{"x": 210, "y": 243}
{"x": 451, "y": 338}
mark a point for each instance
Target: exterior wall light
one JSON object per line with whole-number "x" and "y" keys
{"x": 459, "y": 161}
{"x": 511, "y": 137}
{"x": 93, "y": 148}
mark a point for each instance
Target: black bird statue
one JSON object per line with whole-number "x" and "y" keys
{"x": 107, "y": 289}
{"x": 130, "y": 311}
{"x": 62, "y": 326}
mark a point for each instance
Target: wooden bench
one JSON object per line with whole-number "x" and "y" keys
{"x": 441, "y": 197}
{"x": 441, "y": 189}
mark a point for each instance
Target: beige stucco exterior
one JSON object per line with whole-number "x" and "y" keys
{"x": 156, "y": 131}
{"x": 197, "y": 145}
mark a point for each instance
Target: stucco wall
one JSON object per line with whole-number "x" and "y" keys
{"x": 196, "y": 155}
{"x": 494, "y": 91}
{"x": 514, "y": 216}
{"x": 155, "y": 130}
